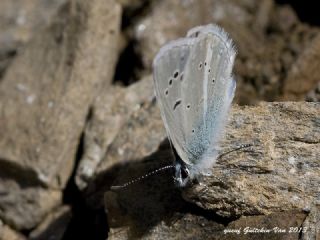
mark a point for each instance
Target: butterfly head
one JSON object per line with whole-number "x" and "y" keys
{"x": 182, "y": 174}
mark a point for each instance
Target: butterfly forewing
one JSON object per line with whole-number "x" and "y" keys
{"x": 169, "y": 66}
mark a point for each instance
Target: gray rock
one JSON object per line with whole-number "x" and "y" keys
{"x": 191, "y": 226}
{"x": 279, "y": 173}
{"x": 314, "y": 94}
{"x": 278, "y": 225}
{"x": 44, "y": 101}
{"x": 53, "y": 226}
{"x": 181, "y": 227}
{"x": 312, "y": 224}
{"x": 24, "y": 203}
{"x": 109, "y": 114}
{"x": 19, "y": 21}
{"x": 303, "y": 75}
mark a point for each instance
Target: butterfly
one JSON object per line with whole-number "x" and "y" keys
{"x": 194, "y": 87}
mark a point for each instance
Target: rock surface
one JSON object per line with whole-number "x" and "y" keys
{"x": 304, "y": 74}
{"x": 44, "y": 101}
{"x": 23, "y": 204}
{"x": 312, "y": 223}
{"x": 279, "y": 173}
{"x": 19, "y": 21}
{"x": 6, "y": 233}
{"x": 188, "y": 226}
{"x": 53, "y": 226}
{"x": 314, "y": 94}
{"x": 109, "y": 114}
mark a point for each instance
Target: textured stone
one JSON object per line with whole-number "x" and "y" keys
{"x": 44, "y": 100}
{"x": 304, "y": 74}
{"x": 278, "y": 225}
{"x": 6, "y": 233}
{"x": 19, "y": 21}
{"x": 280, "y": 172}
{"x": 179, "y": 227}
{"x": 188, "y": 226}
{"x": 314, "y": 94}
{"x": 53, "y": 226}
{"x": 46, "y": 93}
{"x": 23, "y": 203}
{"x": 109, "y": 114}
{"x": 312, "y": 224}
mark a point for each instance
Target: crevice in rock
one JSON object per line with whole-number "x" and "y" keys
{"x": 5, "y": 60}
{"x": 300, "y": 236}
{"x": 125, "y": 73}
{"x": 85, "y": 223}
{"x": 207, "y": 214}
{"x": 306, "y": 141}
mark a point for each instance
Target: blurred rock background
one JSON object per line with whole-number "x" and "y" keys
{"x": 77, "y": 115}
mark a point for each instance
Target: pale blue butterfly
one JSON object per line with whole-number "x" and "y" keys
{"x": 194, "y": 87}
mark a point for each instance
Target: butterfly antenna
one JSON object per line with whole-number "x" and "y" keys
{"x": 235, "y": 149}
{"x": 117, "y": 187}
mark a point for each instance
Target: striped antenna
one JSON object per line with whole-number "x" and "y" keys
{"x": 117, "y": 187}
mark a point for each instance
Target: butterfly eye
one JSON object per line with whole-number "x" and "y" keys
{"x": 170, "y": 81}
{"x": 166, "y": 92}
{"x": 209, "y": 70}
{"x": 213, "y": 80}
{"x": 188, "y": 106}
{"x": 184, "y": 172}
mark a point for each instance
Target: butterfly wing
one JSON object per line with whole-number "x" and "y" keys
{"x": 168, "y": 70}
{"x": 194, "y": 87}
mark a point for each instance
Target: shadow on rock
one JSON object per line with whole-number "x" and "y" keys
{"x": 144, "y": 204}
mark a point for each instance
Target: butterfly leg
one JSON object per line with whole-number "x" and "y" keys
{"x": 242, "y": 146}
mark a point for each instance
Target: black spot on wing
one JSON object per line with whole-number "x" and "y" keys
{"x": 178, "y": 102}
